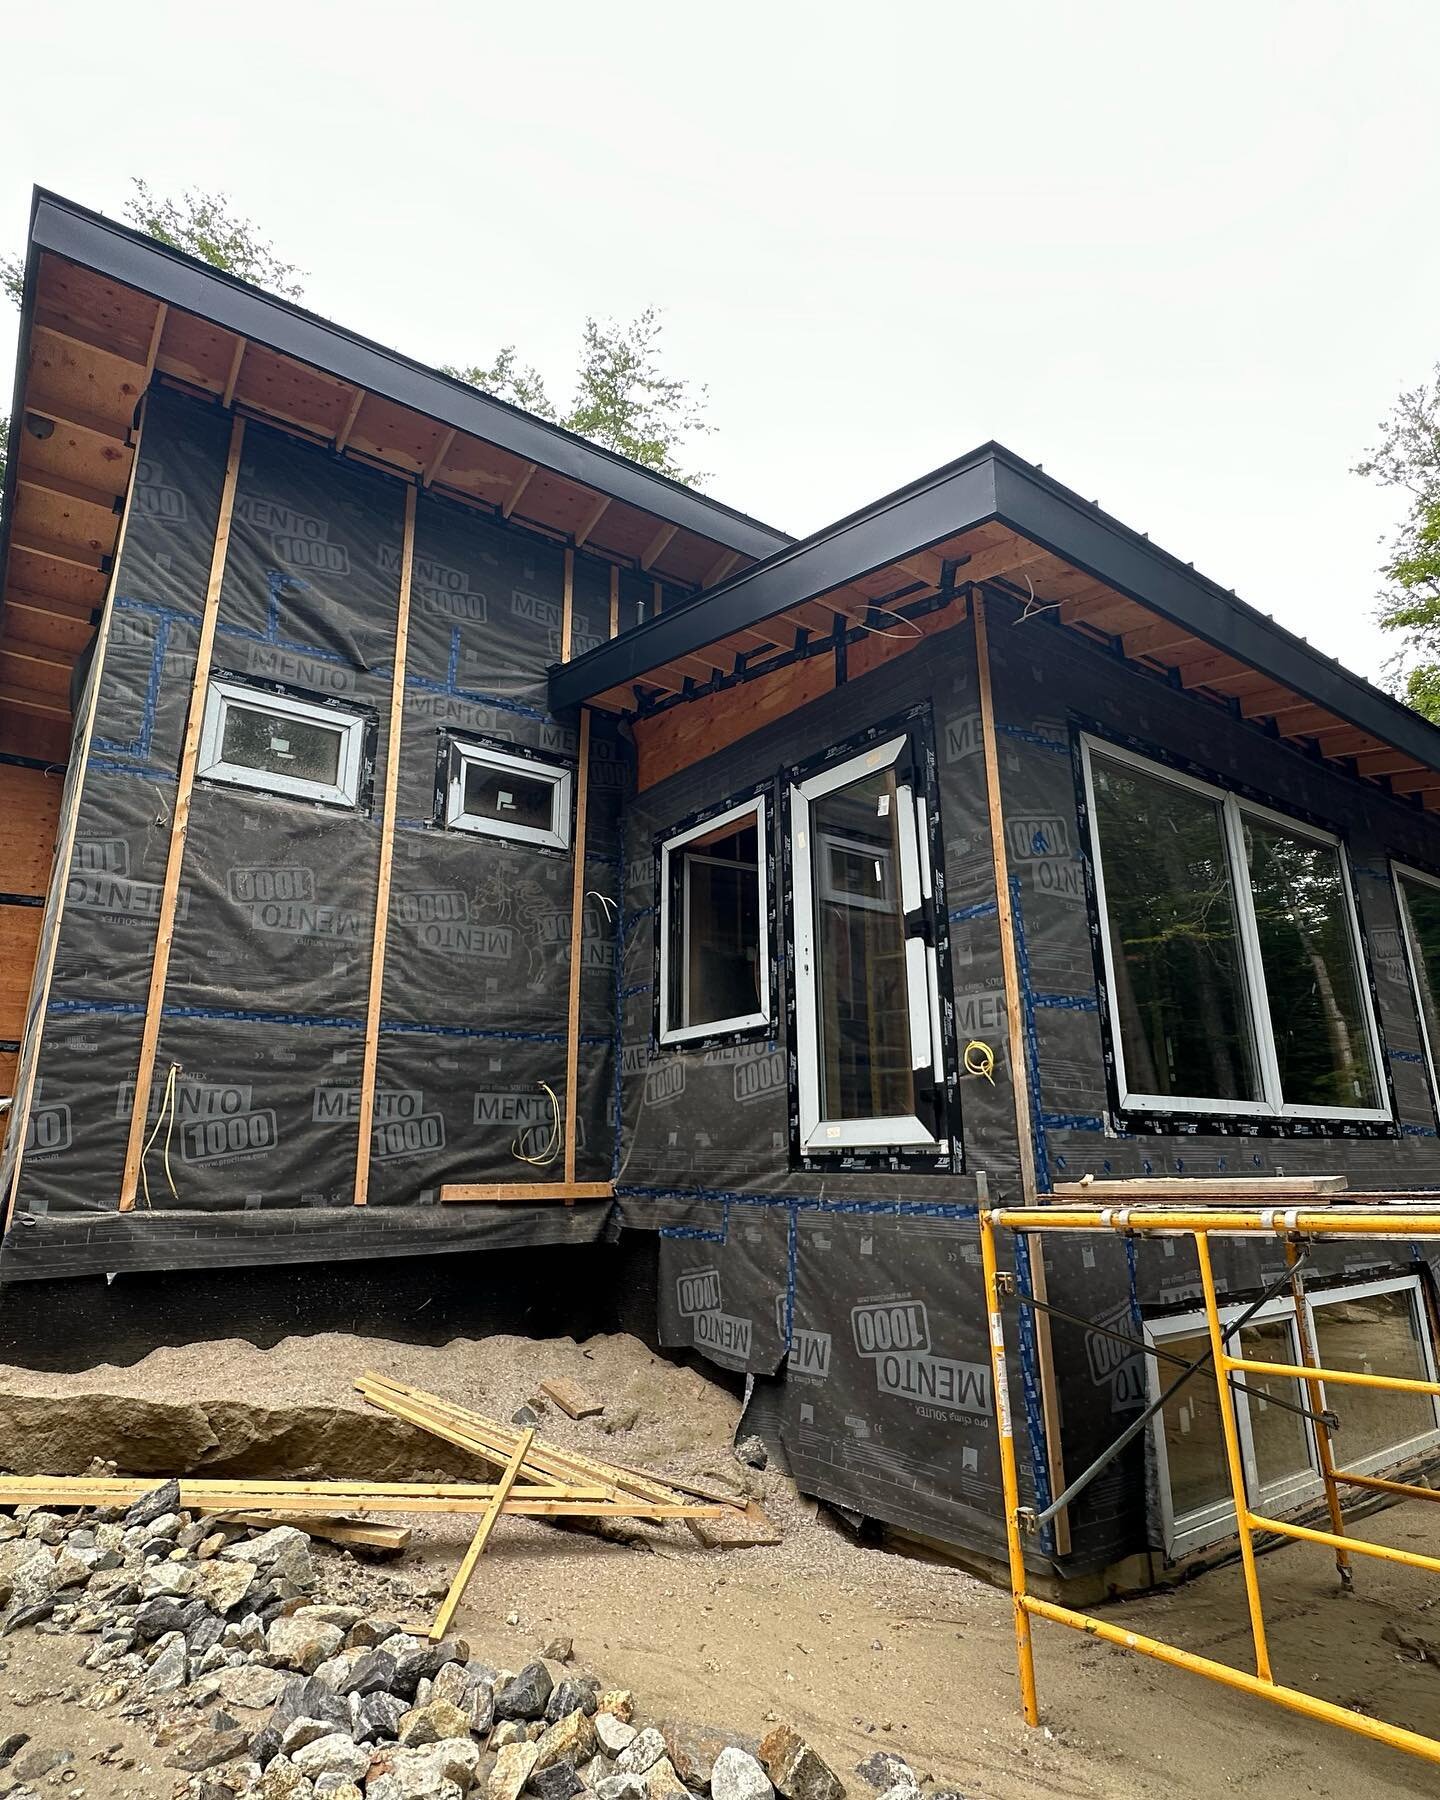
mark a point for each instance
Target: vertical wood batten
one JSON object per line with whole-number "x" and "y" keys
{"x": 1015, "y": 1046}
{"x": 387, "y": 855}
{"x": 18, "y": 1122}
{"x": 180, "y": 822}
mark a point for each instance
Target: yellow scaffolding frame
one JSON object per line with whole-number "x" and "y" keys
{"x": 1294, "y": 1225}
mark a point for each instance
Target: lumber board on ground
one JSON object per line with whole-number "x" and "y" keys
{"x": 481, "y": 1538}
{"x": 352, "y": 1534}
{"x": 297, "y": 1498}
{"x": 571, "y": 1398}
{"x": 752, "y": 1529}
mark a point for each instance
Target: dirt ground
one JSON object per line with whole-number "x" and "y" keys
{"x": 860, "y": 1648}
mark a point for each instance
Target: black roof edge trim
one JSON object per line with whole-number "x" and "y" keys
{"x": 951, "y": 499}
{"x": 75, "y": 232}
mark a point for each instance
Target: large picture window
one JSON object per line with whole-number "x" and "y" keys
{"x": 714, "y": 927}
{"x": 1376, "y": 1327}
{"x": 253, "y": 737}
{"x": 1419, "y": 897}
{"x": 869, "y": 1045}
{"x": 1231, "y": 951}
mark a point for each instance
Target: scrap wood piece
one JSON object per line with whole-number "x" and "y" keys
{"x": 752, "y": 1529}
{"x": 295, "y": 1498}
{"x": 351, "y": 1533}
{"x": 481, "y": 1538}
{"x": 552, "y": 1459}
{"x": 570, "y": 1397}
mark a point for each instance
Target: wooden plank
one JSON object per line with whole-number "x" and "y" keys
{"x": 49, "y": 482}
{"x": 15, "y": 698}
{"x": 752, "y": 1529}
{"x": 437, "y": 461}
{"x": 720, "y": 568}
{"x": 84, "y": 556}
{"x": 567, "y": 606}
{"x": 387, "y": 857}
{"x": 162, "y": 312}
{"x": 1014, "y": 1015}
{"x": 352, "y": 1534}
{"x": 657, "y": 545}
{"x": 577, "y": 928}
{"x": 592, "y": 519}
{"x": 39, "y": 667}
{"x": 516, "y": 494}
{"x": 179, "y": 825}
{"x": 237, "y": 357}
{"x": 352, "y": 413}
{"x": 480, "y": 1539}
{"x": 1163, "y": 639}
{"x": 24, "y": 1087}
{"x": 76, "y": 418}
{"x": 19, "y": 942}
{"x": 571, "y": 1398}
{"x": 536, "y": 1192}
{"x": 1200, "y": 1189}
{"x": 29, "y": 819}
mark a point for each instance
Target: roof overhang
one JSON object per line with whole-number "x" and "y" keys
{"x": 992, "y": 518}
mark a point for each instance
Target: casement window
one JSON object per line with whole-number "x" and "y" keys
{"x": 1419, "y": 897}
{"x": 506, "y": 794}
{"x": 868, "y": 1039}
{"x": 1231, "y": 951}
{"x": 302, "y": 748}
{"x": 1376, "y": 1327}
{"x": 714, "y": 930}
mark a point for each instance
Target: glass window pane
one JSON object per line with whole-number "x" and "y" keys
{"x": 1194, "y": 1445}
{"x": 1311, "y": 976}
{"x": 1376, "y": 1335}
{"x": 1422, "y": 916}
{"x": 1280, "y": 1438}
{"x": 714, "y": 924}
{"x": 277, "y": 745}
{"x": 861, "y": 994}
{"x": 509, "y": 796}
{"x": 1180, "y": 1000}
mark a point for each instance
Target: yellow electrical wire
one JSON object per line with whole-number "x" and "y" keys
{"x": 167, "y": 1107}
{"x": 551, "y": 1148}
{"x": 979, "y": 1059}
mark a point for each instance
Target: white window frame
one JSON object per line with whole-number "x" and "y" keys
{"x": 1233, "y": 813}
{"x": 1401, "y": 873}
{"x": 463, "y": 755}
{"x": 817, "y": 1133}
{"x": 1213, "y": 1523}
{"x": 223, "y": 696}
{"x": 686, "y": 1034}
{"x": 1209, "y": 1524}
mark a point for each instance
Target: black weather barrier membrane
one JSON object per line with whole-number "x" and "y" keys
{"x": 1102, "y": 1462}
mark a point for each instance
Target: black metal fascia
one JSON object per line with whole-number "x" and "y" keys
{"x": 1056, "y": 518}
{"x": 927, "y": 512}
{"x": 114, "y": 250}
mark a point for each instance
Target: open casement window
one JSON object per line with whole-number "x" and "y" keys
{"x": 868, "y": 1039}
{"x": 714, "y": 927}
{"x": 504, "y": 794}
{"x": 1231, "y": 951}
{"x": 1376, "y": 1327}
{"x": 1419, "y": 896}
{"x": 254, "y": 738}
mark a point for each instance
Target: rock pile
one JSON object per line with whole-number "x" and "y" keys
{"x": 257, "y": 1688}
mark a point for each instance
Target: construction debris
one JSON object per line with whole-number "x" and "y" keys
{"x": 571, "y": 1398}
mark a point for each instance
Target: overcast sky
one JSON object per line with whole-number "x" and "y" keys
{"x": 1184, "y": 256}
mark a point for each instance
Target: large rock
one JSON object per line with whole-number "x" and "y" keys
{"x": 660, "y": 1782}
{"x": 692, "y": 1750}
{"x": 429, "y": 1724}
{"x": 168, "y": 1671}
{"x": 614, "y": 1734}
{"x": 422, "y": 1772}
{"x": 35, "y": 1580}
{"x": 884, "y": 1770}
{"x": 560, "y": 1781}
{"x": 526, "y": 1695}
{"x": 281, "y": 1555}
{"x": 511, "y": 1772}
{"x": 283, "y": 1781}
{"x": 580, "y": 1692}
{"x": 372, "y": 1673}
{"x": 207, "y": 1748}
{"x": 154, "y": 1505}
{"x": 797, "y": 1772}
{"x": 378, "y": 1716}
{"x": 303, "y": 1644}
{"x": 337, "y": 1754}
{"x": 571, "y": 1739}
{"x": 223, "y": 1584}
{"x": 641, "y": 1753}
{"x": 736, "y": 1775}
{"x": 249, "y": 1685}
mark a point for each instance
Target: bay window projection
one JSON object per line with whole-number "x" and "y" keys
{"x": 1420, "y": 922}
{"x": 714, "y": 927}
{"x": 1231, "y": 950}
{"x": 869, "y": 1051}
{"x": 251, "y": 737}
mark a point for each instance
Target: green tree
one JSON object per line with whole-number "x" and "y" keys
{"x": 1407, "y": 457}
{"x": 622, "y": 400}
